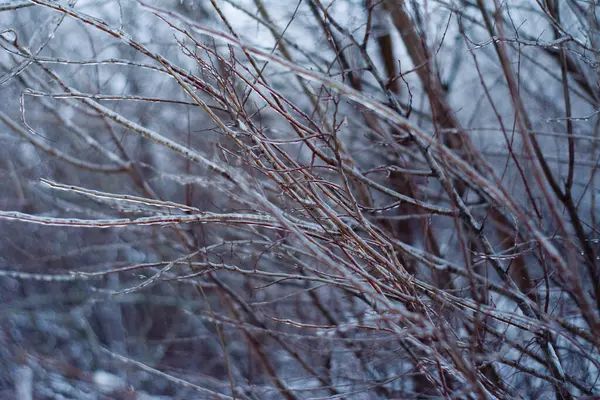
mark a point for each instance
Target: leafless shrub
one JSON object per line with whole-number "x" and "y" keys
{"x": 389, "y": 199}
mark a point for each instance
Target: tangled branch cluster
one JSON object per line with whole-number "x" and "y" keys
{"x": 314, "y": 222}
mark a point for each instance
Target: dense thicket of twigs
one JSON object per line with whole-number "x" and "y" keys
{"x": 299, "y": 199}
